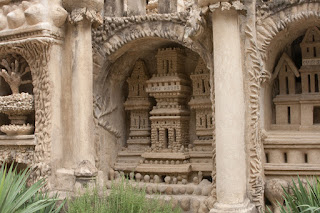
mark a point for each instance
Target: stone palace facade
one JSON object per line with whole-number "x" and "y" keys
{"x": 214, "y": 104}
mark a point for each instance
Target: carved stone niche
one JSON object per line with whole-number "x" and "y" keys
{"x": 17, "y": 102}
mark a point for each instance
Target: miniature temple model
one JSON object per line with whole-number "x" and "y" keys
{"x": 201, "y": 153}
{"x": 170, "y": 117}
{"x": 298, "y": 103}
{"x": 138, "y": 105}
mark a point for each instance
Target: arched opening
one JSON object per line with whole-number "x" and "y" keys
{"x": 170, "y": 103}
{"x": 291, "y": 102}
{"x": 17, "y": 101}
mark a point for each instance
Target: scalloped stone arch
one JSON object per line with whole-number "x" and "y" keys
{"x": 281, "y": 28}
{"x": 115, "y": 44}
{"x": 274, "y": 34}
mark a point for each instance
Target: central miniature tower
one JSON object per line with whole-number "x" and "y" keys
{"x": 169, "y": 118}
{"x": 170, "y": 87}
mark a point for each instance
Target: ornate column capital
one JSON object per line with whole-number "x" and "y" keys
{"x": 84, "y": 9}
{"x": 79, "y": 14}
{"x": 213, "y": 5}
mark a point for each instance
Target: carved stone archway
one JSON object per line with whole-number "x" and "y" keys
{"x": 114, "y": 40}
{"x": 36, "y": 52}
{"x": 263, "y": 46}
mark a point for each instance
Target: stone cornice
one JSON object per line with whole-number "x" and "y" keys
{"x": 44, "y": 30}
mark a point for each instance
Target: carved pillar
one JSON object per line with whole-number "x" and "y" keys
{"x": 170, "y": 6}
{"x": 136, "y": 7}
{"x": 83, "y": 14}
{"x": 114, "y": 8}
{"x": 231, "y": 163}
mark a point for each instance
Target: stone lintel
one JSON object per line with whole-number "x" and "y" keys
{"x": 19, "y": 140}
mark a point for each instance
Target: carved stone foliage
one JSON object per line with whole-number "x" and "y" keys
{"x": 36, "y": 53}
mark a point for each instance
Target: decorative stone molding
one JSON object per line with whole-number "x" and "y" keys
{"x": 84, "y": 9}
{"x": 36, "y": 52}
{"x": 237, "y": 5}
{"x": 269, "y": 26}
{"x": 117, "y": 31}
{"x": 79, "y": 14}
{"x": 23, "y": 154}
{"x": 257, "y": 76}
{"x": 196, "y": 23}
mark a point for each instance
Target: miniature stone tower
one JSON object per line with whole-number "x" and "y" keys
{"x": 138, "y": 104}
{"x": 201, "y": 153}
{"x": 310, "y": 73}
{"x": 169, "y": 118}
{"x": 287, "y": 102}
{"x": 170, "y": 87}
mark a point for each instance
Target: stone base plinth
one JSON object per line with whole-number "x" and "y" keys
{"x": 245, "y": 207}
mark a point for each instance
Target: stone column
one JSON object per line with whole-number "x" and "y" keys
{"x": 80, "y": 40}
{"x": 82, "y": 91}
{"x": 137, "y": 7}
{"x": 231, "y": 166}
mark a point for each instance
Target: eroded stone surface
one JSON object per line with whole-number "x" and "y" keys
{"x": 200, "y": 100}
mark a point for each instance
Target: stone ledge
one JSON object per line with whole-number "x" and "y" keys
{"x": 19, "y": 140}
{"x": 291, "y": 169}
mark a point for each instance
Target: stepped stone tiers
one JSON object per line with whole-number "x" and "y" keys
{"x": 213, "y": 104}
{"x": 200, "y": 102}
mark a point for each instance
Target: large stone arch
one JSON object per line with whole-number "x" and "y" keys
{"x": 113, "y": 61}
{"x": 113, "y": 38}
{"x": 276, "y": 26}
{"x": 282, "y": 27}
{"x": 276, "y": 32}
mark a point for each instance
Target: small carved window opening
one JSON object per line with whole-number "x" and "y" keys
{"x": 309, "y": 83}
{"x": 307, "y": 49}
{"x": 316, "y": 83}
{"x": 289, "y": 115}
{"x": 211, "y": 120}
{"x": 158, "y": 135}
{"x": 287, "y": 85}
{"x": 166, "y": 138}
{"x": 139, "y": 122}
{"x": 285, "y": 157}
{"x": 175, "y": 135}
{"x": 206, "y": 121}
{"x": 203, "y": 86}
{"x": 316, "y": 115}
{"x": 306, "y": 158}
{"x": 200, "y": 121}
{"x": 267, "y": 158}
